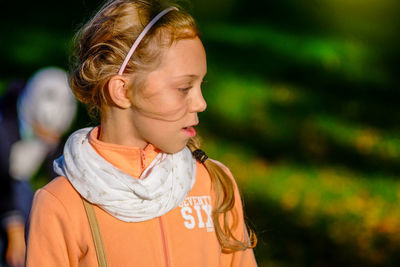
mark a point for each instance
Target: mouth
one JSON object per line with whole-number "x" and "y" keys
{"x": 190, "y": 131}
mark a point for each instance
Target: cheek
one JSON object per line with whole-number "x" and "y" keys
{"x": 164, "y": 135}
{"x": 155, "y": 130}
{"x": 168, "y": 107}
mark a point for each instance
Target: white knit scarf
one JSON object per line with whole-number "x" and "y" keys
{"x": 163, "y": 185}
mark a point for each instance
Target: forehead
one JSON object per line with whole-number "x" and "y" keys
{"x": 185, "y": 57}
{"x": 182, "y": 63}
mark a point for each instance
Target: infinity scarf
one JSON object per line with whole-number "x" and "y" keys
{"x": 163, "y": 185}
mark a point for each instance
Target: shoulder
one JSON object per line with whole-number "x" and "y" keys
{"x": 61, "y": 188}
{"x": 222, "y": 166}
{"x": 57, "y": 226}
{"x": 59, "y": 192}
{"x": 225, "y": 169}
{"x": 228, "y": 173}
{"x": 202, "y": 169}
{"x": 218, "y": 167}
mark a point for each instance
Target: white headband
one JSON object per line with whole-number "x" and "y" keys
{"x": 141, "y": 35}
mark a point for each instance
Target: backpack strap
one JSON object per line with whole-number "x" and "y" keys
{"x": 95, "y": 229}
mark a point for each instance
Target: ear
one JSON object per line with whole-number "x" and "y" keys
{"x": 118, "y": 91}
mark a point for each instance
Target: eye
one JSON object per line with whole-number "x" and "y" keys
{"x": 185, "y": 89}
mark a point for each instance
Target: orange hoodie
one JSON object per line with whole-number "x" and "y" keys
{"x": 59, "y": 233}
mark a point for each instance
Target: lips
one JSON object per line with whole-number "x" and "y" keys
{"x": 190, "y": 131}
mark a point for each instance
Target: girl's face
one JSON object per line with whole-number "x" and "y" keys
{"x": 165, "y": 112}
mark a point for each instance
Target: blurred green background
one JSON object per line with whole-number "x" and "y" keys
{"x": 302, "y": 106}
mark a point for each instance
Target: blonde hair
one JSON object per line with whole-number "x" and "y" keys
{"x": 224, "y": 206}
{"x": 101, "y": 46}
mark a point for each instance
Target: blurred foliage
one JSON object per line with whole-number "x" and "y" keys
{"x": 302, "y": 106}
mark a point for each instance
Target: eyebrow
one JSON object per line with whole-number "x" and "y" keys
{"x": 189, "y": 76}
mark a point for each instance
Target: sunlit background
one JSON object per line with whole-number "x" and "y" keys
{"x": 302, "y": 106}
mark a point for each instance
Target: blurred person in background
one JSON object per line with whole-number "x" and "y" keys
{"x": 32, "y": 122}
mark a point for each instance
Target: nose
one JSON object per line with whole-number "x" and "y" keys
{"x": 198, "y": 103}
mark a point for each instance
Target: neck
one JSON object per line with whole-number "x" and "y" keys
{"x": 115, "y": 130}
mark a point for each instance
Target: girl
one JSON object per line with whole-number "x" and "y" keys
{"x": 130, "y": 191}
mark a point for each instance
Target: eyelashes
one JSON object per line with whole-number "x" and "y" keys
{"x": 186, "y": 89}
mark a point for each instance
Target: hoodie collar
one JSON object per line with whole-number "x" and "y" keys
{"x": 131, "y": 160}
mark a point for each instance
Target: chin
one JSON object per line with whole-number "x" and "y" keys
{"x": 173, "y": 149}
